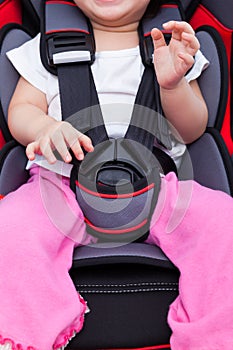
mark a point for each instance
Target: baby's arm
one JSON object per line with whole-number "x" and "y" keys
{"x": 30, "y": 124}
{"x": 182, "y": 102}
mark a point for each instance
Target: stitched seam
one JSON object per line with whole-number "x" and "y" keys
{"x": 128, "y": 284}
{"x": 142, "y": 290}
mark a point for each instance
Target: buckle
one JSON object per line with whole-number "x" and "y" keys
{"x": 70, "y": 47}
{"x": 148, "y": 50}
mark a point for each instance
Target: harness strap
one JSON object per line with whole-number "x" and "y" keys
{"x": 147, "y": 122}
{"x": 78, "y": 95}
{"x": 67, "y": 32}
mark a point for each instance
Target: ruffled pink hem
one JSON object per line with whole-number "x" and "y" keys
{"x": 62, "y": 340}
{"x": 6, "y": 341}
{"x": 67, "y": 334}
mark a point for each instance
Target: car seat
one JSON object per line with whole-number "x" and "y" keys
{"x": 10, "y": 11}
{"x": 14, "y": 12}
{"x": 219, "y": 16}
{"x": 119, "y": 277}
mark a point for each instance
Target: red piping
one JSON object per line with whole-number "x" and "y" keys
{"x": 66, "y": 30}
{"x": 119, "y": 231}
{"x": 60, "y": 2}
{"x": 115, "y": 196}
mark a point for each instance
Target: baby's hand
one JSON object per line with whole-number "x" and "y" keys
{"x": 172, "y": 61}
{"x": 59, "y": 136}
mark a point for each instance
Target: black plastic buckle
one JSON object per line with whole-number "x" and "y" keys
{"x": 148, "y": 49}
{"x": 71, "y": 41}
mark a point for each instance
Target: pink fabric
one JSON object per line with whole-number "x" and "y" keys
{"x": 39, "y": 306}
{"x": 193, "y": 225}
{"x": 41, "y": 224}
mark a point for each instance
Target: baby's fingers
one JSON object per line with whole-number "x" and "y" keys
{"x": 31, "y": 150}
{"x": 158, "y": 38}
{"x": 191, "y": 42}
{"x": 36, "y": 147}
{"x": 187, "y": 59}
{"x": 60, "y": 145}
{"x": 86, "y": 142}
{"x": 82, "y": 141}
{"x": 177, "y": 28}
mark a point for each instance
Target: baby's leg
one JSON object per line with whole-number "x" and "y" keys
{"x": 39, "y": 305}
{"x": 194, "y": 227}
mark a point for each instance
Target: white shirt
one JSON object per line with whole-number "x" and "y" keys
{"x": 117, "y": 75}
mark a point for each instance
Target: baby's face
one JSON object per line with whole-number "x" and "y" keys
{"x": 113, "y": 13}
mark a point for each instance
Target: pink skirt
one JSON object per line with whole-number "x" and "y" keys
{"x": 41, "y": 224}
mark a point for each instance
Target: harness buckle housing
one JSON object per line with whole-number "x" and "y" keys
{"x": 70, "y": 47}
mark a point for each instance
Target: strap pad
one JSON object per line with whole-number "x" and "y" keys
{"x": 66, "y": 35}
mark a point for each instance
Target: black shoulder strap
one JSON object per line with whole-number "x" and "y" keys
{"x": 68, "y": 50}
